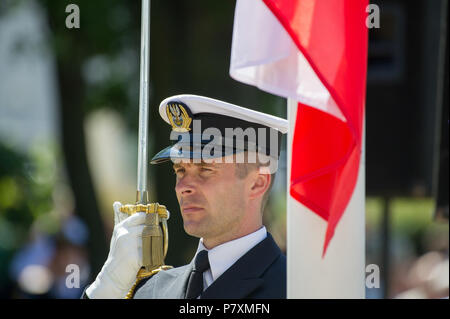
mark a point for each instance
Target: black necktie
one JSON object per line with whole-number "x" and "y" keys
{"x": 195, "y": 283}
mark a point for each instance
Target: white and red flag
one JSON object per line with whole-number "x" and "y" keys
{"x": 314, "y": 53}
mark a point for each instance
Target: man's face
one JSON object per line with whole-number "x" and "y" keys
{"x": 212, "y": 199}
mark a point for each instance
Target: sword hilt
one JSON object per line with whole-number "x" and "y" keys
{"x": 155, "y": 239}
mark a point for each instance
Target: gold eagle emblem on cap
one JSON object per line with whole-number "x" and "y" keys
{"x": 178, "y": 117}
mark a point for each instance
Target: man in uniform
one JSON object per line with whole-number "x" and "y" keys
{"x": 224, "y": 159}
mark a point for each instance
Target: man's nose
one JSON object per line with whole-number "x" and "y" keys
{"x": 185, "y": 185}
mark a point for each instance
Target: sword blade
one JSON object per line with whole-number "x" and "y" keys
{"x": 142, "y": 191}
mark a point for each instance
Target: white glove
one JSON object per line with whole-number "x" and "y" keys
{"x": 118, "y": 274}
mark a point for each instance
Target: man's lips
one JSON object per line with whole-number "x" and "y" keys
{"x": 190, "y": 209}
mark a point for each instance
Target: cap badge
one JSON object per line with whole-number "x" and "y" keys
{"x": 178, "y": 117}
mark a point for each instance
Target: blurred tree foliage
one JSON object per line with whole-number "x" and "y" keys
{"x": 26, "y": 185}
{"x": 102, "y": 34}
{"x": 97, "y": 66}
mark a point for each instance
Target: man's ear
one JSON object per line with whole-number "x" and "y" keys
{"x": 260, "y": 184}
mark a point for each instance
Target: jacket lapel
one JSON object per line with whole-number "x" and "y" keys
{"x": 244, "y": 276}
{"x": 169, "y": 284}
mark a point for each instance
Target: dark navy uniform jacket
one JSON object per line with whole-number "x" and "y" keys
{"x": 260, "y": 273}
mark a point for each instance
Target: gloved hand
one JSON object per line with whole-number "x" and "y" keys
{"x": 124, "y": 260}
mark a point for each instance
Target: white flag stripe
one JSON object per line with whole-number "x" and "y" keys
{"x": 264, "y": 55}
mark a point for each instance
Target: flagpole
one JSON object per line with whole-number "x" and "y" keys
{"x": 341, "y": 272}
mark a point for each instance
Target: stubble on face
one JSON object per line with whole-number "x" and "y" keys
{"x": 211, "y": 199}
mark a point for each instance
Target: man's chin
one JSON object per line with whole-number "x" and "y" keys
{"x": 191, "y": 229}
{"x": 194, "y": 229}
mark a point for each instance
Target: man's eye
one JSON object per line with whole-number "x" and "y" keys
{"x": 205, "y": 169}
{"x": 178, "y": 171}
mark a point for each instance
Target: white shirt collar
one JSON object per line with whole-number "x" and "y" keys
{"x": 225, "y": 255}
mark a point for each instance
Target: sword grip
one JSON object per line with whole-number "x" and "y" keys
{"x": 152, "y": 242}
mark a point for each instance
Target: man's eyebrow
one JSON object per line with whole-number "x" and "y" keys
{"x": 203, "y": 164}
{"x": 206, "y": 164}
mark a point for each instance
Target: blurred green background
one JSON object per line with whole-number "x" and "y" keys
{"x": 68, "y": 140}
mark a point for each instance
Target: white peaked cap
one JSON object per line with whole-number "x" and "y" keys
{"x": 201, "y": 104}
